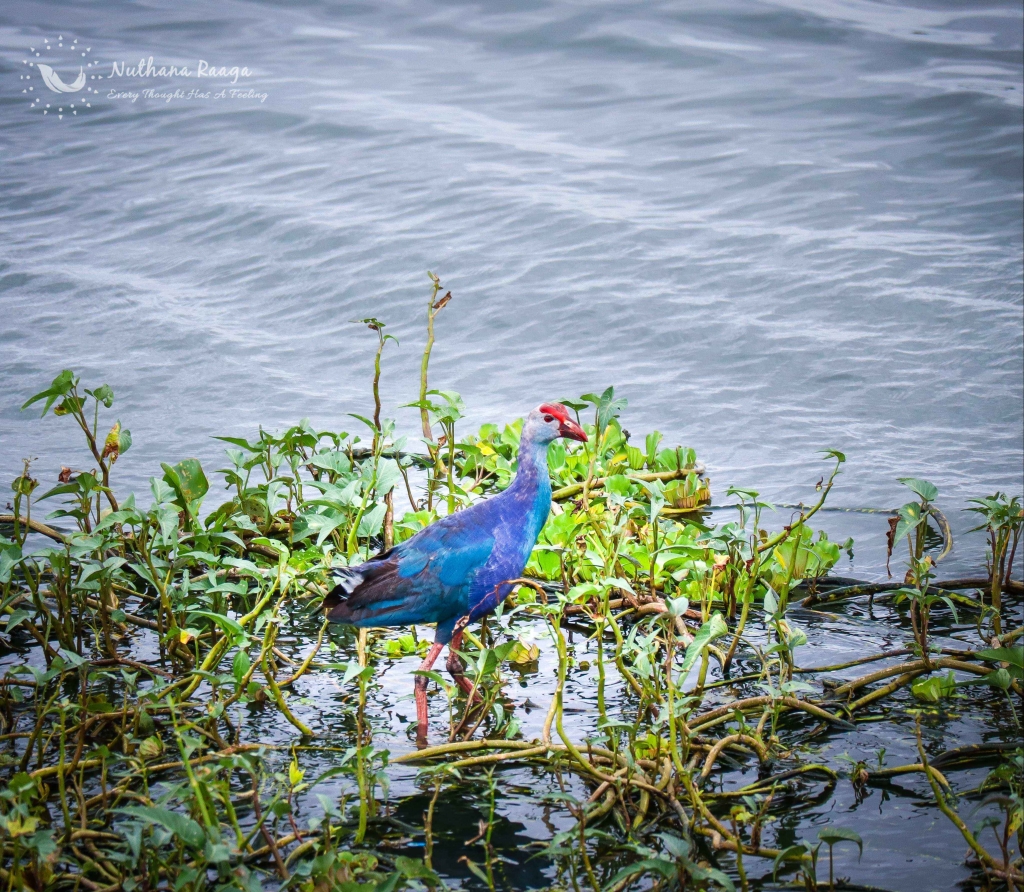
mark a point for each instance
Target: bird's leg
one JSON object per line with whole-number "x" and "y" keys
{"x": 454, "y": 662}
{"x": 421, "y": 693}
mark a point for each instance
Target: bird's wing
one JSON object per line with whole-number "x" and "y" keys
{"x": 424, "y": 579}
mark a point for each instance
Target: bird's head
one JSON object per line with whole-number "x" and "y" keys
{"x": 549, "y": 421}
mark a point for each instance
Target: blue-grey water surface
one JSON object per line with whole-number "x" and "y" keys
{"x": 774, "y": 227}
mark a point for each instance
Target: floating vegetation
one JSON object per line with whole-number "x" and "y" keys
{"x": 175, "y": 713}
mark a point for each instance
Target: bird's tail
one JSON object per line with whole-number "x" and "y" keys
{"x": 336, "y": 606}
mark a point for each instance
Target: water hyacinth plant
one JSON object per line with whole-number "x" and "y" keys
{"x": 174, "y": 713}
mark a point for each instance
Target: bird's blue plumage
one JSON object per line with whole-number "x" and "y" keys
{"x": 455, "y": 567}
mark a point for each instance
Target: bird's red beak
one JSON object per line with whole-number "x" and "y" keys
{"x": 571, "y": 431}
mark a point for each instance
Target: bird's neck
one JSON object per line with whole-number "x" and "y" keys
{"x": 532, "y": 472}
{"x": 531, "y": 491}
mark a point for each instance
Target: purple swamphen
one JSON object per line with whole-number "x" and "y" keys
{"x": 458, "y": 569}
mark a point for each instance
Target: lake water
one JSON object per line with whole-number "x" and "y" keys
{"x": 774, "y": 227}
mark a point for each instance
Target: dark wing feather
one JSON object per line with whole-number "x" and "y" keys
{"x": 424, "y": 579}
{"x": 360, "y": 588}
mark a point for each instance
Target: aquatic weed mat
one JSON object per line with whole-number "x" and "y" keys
{"x": 661, "y": 701}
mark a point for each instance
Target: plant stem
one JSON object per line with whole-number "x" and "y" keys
{"x": 425, "y": 362}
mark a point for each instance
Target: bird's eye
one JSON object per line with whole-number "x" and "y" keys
{"x": 549, "y": 418}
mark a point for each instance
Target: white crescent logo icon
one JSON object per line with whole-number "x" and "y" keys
{"x": 53, "y": 81}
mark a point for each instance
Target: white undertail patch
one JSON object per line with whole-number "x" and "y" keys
{"x": 348, "y": 578}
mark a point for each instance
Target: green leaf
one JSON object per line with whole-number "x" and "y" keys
{"x": 934, "y": 688}
{"x": 116, "y": 517}
{"x": 388, "y": 884}
{"x": 333, "y": 772}
{"x": 238, "y": 441}
{"x": 927, "y": 491}
{"x": 711, "y": 873}
{"x": 677, "y": 606}
{"x": 372, "y": 521}
{"x": 1012, "y": 655}
{"x": 240, "y": 666}
{"x": 388, "y": 474}
{"x": 282, "y": 550}
{"x": 489, "y": 660}
{"x": 187, "y": 480}
{"x": 607, "y": 407}
{"x": 618, "y": 485}
{"x": 414, "y": 868}
{"x": 70, "y": 658}
{"x": 354, "y": 670}
{"x": 999, "y": 679}
{"x": 797, "y": 636}
{"x": 649, "y": 865}
{"x": 61, "y": 490}
{"x": 676, "y": 846}
{"x": 910, "y": 518}
{"x": 831, "y": 835}
{"x": 791, "y": 853}
{"x": 61, "y": 386}
{"x": 635, "y": 458}
{"x": 235, "y": 633}
{"x": 651, "y": 443}
{"x": 335, "y": 460}
{"x": 322, "y": 524}
{"x": 432, "y": 675}
{"x": 16, "y": 618}
{"x": 161, "y": 491}
{"x": 103, "y": 394}
{"x": 42, "y": 843}
{"x": 712, "y": 629}
{"x": 180, "y": 825}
